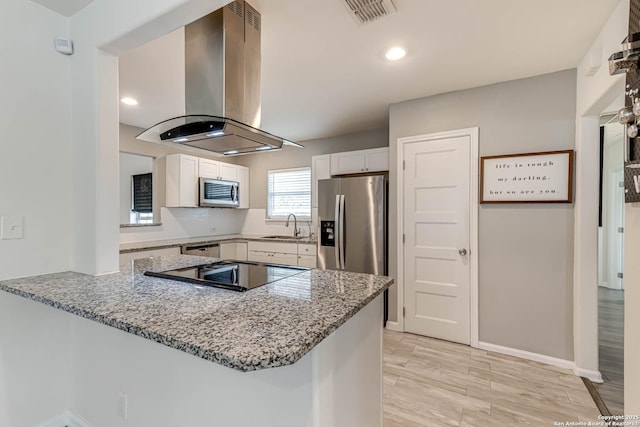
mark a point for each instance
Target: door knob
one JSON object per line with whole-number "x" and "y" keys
{"x": 462, "y": 252}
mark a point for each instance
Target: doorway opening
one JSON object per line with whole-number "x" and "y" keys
{"x": 611, "y": 262}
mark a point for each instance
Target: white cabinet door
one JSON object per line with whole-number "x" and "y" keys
{"x": 347, "y": 162}
{"x": 286, "y": 259}
{"x": 243, "y": 187}
{"x": 306, "y": 249}
{"x": 273, "y": 252}
{"x": 182, "y": 181}
{"x": 307, "y": 261}
{"x": 377, "y": 160}
{"x": 258, "y": 256}
{"x": 320, "y": 169}
{"x": 228, "y": 171}
{"x": 209, "y": 169}
{"x": 361, "y": 161}
{"x": 274, "y": 247}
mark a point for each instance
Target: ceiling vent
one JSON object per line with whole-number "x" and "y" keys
{"x": 364, "y": 11}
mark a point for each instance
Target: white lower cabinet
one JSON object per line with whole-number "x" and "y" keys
{"x": 234, "y": 250}
{"x": 307, "y": 255}
{"x": 307, "y": 261}
{"x": 126, "y": 257}
{"x": 303, "y": 255}
{"x": 273, "y": 252}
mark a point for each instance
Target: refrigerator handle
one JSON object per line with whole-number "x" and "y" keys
{"x": 336, "y": 231}
{"x": 342, "y": 220}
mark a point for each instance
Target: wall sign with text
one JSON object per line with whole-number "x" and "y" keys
{"x": 527, "y": 178}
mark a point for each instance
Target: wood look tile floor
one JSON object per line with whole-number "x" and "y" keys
{"x": 434, "y": 383}
{"x": 611, "y": 348}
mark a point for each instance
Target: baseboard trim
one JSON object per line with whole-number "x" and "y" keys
{"x": 536, "y": 357}
{"x": 594, "y": 376}
{"x": 68, "y": 419}
{"x": 393, "y": 326}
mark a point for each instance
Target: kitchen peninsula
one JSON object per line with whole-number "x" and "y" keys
{"x": 302, "y": 351}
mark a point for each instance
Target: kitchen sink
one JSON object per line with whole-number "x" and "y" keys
{"x": 284, "y": 237}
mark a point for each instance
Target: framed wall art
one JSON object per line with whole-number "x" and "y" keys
{"x": 545, "y": 177}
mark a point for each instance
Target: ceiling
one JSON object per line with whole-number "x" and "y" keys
{"x": 324, "y": 75}
{"x": 64, "y": 7}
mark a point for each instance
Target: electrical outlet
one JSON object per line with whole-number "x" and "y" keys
{"x": 123, "y": 405}
{"x": 11, "y": 227}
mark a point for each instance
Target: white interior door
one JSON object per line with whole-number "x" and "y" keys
{"x": 437, "y": 237}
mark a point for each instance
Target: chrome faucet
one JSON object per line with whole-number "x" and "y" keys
{"x": 296, "y": 232}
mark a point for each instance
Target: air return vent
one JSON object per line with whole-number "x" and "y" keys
{"x": 364, "y": 11}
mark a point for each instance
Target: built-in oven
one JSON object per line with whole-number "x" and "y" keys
{"x": 216, "y": 193}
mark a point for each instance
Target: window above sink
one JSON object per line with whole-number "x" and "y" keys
{"x": 289, "y": 191}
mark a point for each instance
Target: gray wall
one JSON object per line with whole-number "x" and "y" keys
{"x": 525, "y": 251}
{"x": 292, "y": 157}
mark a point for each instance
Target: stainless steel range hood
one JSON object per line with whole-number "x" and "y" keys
{"x": 222, "y": 86}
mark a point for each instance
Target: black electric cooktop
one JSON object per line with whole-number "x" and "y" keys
{"x": 235, "y": 275}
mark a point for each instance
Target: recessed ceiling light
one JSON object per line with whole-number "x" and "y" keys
{"x": 395, "y": 53}
{"x": 129, "y": 101}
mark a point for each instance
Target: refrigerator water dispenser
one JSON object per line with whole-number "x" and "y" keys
{"x": 327, "y": 235}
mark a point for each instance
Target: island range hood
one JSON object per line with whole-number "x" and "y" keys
{"x": 222, "y": 86}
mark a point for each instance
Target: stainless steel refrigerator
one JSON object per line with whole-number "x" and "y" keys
{"x": 352, "y": 222}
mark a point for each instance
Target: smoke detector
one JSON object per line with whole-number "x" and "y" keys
{"x": 365, "y": 11}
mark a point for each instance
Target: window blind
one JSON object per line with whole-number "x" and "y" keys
{"x": 289, "y": 191}
{"x": 142, "y": 194}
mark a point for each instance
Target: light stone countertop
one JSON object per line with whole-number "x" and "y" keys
{"x": 270, "y": 326}
{"x": 173, "y": 243}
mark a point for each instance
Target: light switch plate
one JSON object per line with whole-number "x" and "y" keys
{"x": 11, "y": 227}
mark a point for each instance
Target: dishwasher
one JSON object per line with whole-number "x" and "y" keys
{"x": 210, "y": 249}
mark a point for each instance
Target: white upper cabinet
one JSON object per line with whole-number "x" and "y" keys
{"x": 228, "y": 172}
{"x": 209, "y": 169}
{"x": 377, "y": 160}
{"x": 361, "y": 161}
{"x": 184, "y": 171}
{"x": 182, "y": 181}
{"x": 320, "y": 169}
{"x": 243, "y": 186}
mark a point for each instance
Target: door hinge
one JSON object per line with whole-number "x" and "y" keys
{"x": 403, "y": 238}
{"x": 620, "y": 276}
{"x": 404, "y": 165}
{"x": 620, "y": 229}
{"x": 404, "y": 312}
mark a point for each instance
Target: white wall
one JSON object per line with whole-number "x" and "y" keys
{"x": 35, "y": 362}
{"x": 101, "y": 31}
{"x": 178, "y": 223}
{"x": 593, "y": 95}
{"x": 35, "y": 153}
{"x": 631, "y": 311}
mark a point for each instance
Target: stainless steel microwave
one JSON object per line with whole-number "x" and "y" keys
{"x": 215, "y": 193}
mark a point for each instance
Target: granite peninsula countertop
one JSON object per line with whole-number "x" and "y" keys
{"x": 174, "y": 243}
{"x": 270, "y": 326}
